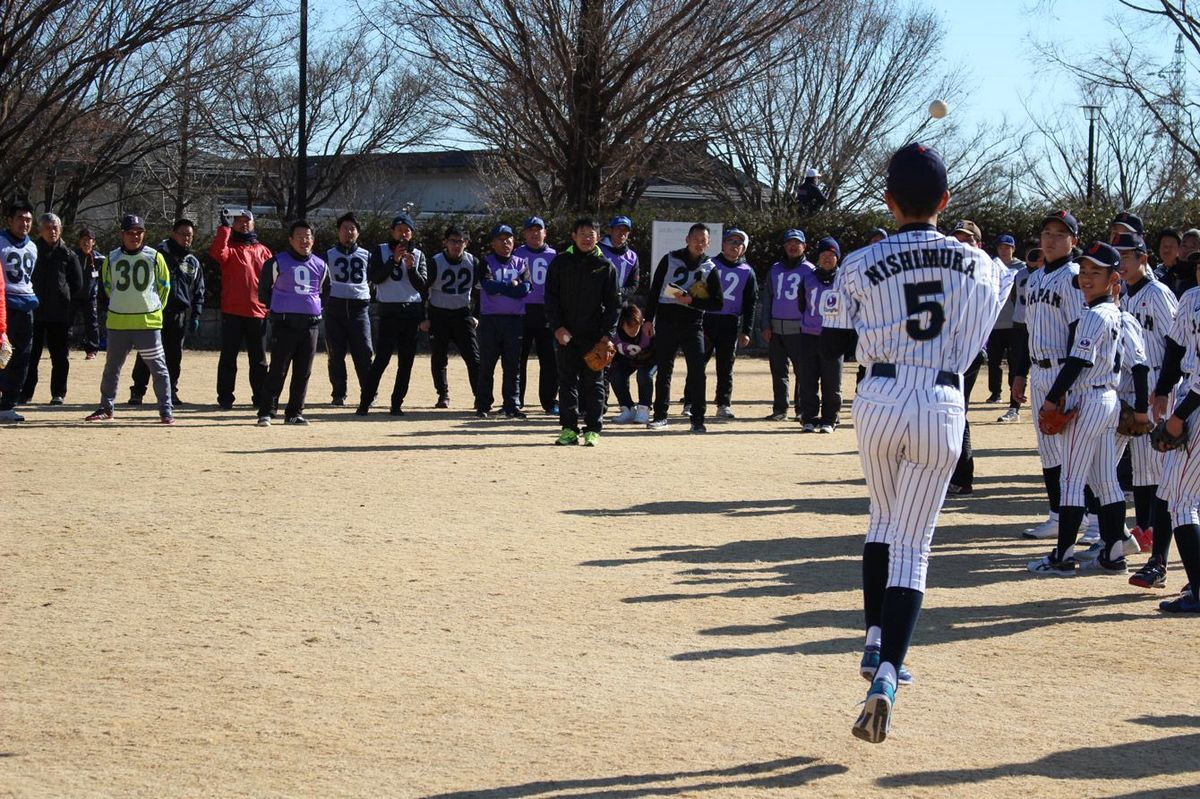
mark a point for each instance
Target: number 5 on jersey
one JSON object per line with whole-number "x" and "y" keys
{"x": 920, "y": 298}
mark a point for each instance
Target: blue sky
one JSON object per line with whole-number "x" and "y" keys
{"x": 992, "y": 41}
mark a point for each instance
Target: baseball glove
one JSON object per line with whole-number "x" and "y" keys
{"x": 1129, "y": 425}
{"x": 699, "y": 290}
{"x": 600, "y": 355}
{"x": 1054, "y": 421}
{"x": 1162, "y": 441}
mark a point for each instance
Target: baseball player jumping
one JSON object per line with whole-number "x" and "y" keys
{"x": 922, "y": 305}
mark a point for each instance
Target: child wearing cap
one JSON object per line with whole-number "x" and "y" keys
{"x": 1150, "y": 307}
{"x": 537, "y": 335}
{"x": 401, "y": 280}
{"x": 820, "y": 376}
{"x": 781, "y": 322}
{"x": 1087, "y": 384}
{"x": 505, "y": 282}
{"x": 729, "y": 327}
{"x": 137, "y": 280}
{"x": 1053, "y": 305}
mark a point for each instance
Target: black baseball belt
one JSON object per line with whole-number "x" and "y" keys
{"x": 941, "y": 379}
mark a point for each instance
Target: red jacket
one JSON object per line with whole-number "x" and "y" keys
{"x": 240, "y": 268}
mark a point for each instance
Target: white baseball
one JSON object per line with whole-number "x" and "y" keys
{"x": 938, "y": 109}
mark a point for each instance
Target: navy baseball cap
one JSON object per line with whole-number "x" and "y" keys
{"x": 829, "y": 244}
{"x": 878, "y": 232}
{"x": 404, "y": 219}
{"x": 916, "y": 175}
{"x": 796, "y": 234}
{"x": 501, "y": 230}
{"x": 1004, "y": 238}
{"x": 1130, "y": 241}
{"x": 1102, "y": 254}
{"x": 618, "y": 221}
{"x": 132, "y": 222}
{"x": 1130, "y": 222}
{"x": 1065, "y": 217}
{"x": 737, "y": 233}
{"x": 534, "y": 221}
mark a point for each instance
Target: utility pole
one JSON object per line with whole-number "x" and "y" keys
{"x": 1093, "y": 113}
{"x": 302, "y": 144}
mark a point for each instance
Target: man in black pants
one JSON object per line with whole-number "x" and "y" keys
{"x": 291, "y": 285}
{"x": 401, "y": 281}
{"x": 239, "y": 253}
{"x": 582, "y": 307}
{"x": 57, "y": 280}
{"x": 537, "y": 335}
{"x": 182, "y": 314}
{"x": 347, "y": 311}
{"x": 962, "y": 482}
{"x": 452, "y": 275}
{"x": 1000, "y": 342}
{"x": 728, "y": 328}
{"x": 675, "y": 316}
{"x": 86, "y": 303}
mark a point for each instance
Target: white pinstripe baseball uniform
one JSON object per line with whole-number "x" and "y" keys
{"x": 1053, "y": 302}
{"x": 922, "y": 305}
{"x": 1152, "y": 306}
{"x": 1089, "y": 442}
{"x": 1020, "y": 290}
{"x": 1180, "y": 483}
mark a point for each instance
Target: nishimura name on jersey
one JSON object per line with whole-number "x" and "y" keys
{"x": 908, "y": 260}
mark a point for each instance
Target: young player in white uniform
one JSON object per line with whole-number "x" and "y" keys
{"x": 1087, "y": 383}
{"x": 1052, "y": 303}
{"x": 1153, "y": 305}
{"x": 1180, "y": 484}
{"x": 921, "y": 304}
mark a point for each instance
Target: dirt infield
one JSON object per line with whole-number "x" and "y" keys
{"x": 442, "y": 606}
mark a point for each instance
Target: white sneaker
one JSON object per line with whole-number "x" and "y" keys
{"x": 825, "y": 428}
{"x": 1089, "y": 531}
{"x": 264, "y": 421}
{"x": 724, "y": 412}
{"x": 1132, "y": 547}
{"x": 1047, "y": 529}
{"x": 809, "y": 427}
{"x": 641, "y": 414}
{"x": 625, "y": 416}
{"x": 1011, "y": 415}
{"x": 687, "y": 409}
{"x": 11, "y": 415}
{"x": 657, "y": 424}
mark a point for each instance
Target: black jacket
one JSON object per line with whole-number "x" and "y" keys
{"x": 693, "y": 313}
{"x": 187, "y": 279}
{"x": 581, "y": 295}
{"x": 57, "y": 279}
